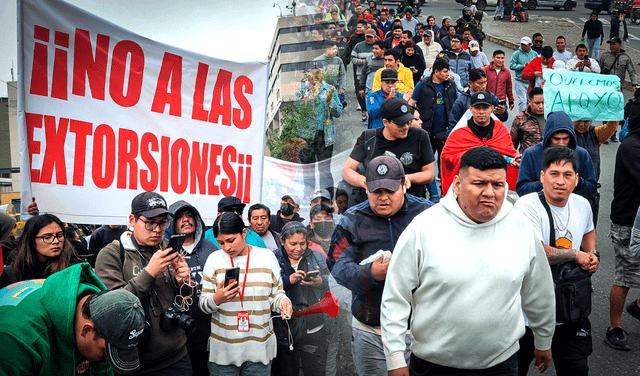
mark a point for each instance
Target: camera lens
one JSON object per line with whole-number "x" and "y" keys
{"x": 186, "y": 323}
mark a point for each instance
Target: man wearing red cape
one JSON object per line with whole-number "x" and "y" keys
{"x": 480, "y": 130}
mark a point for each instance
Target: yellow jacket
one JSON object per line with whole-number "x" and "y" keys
{"x": 405, "y": 79}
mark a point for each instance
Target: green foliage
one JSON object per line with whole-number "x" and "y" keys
{"x": 285, "y": 143}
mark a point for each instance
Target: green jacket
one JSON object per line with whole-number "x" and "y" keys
{"x": 519, "y": 60}
{"x": 36, "y": 336}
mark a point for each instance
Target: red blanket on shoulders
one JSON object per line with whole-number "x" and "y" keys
{"x": 463, "y": 139}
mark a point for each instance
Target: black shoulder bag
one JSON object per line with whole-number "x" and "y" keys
{"x": 572, "y": 283}
{"x": 358, "y": 194}
{"x": 608, "y": 70}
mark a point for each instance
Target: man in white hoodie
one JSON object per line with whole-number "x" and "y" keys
{"x": 468, "y": 268}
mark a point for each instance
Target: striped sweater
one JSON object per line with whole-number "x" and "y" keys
{"x": 263, "y": 293}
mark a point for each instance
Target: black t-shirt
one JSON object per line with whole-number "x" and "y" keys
{"x": 413, "y": 151}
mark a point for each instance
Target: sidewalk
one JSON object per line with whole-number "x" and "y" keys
{"x": 508, "y": 34}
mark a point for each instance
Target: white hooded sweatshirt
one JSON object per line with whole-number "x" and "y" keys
{"x": 472, "y": 282}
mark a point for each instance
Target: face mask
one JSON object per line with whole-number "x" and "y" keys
{"x": 324, "y": 229}
{"x": 286, "y": 209}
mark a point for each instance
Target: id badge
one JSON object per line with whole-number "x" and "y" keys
{"x": 243, "y": 321}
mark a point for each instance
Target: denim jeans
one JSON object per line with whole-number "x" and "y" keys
{"x": 247, "y": 368}
{"x": 521, "y": 92}
{"x": 594, "y": 47}
{"x": 368, "y": 353}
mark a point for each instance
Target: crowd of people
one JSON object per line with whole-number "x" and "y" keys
{"x": 405, "y": 247}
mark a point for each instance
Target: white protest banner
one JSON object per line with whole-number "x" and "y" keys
{"x": 584, "y": 96}
{"x": 286, "y": 178}
{"x": 105, "y": 114}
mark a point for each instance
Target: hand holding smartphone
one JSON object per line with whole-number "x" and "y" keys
{"x": 230, "y": 275}
{"x": 176, "y": 242}
{"x": 311, "y": 274}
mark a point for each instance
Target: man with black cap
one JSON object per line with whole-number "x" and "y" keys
{"x": 363, "y": 230}
{"x": 344, "y": 52}
{"x": 480, "y": 130}
{"x": 289, "y": 208}
{"x": 141, "y": 263}
{"x": 617, "y": 62}
{"x": 69, "y": 325}
{"x": 187, "y": 221}
{"x": 234, "y": 205}
{"x": 396, "y": 138}
{"x": 388, "y": 79}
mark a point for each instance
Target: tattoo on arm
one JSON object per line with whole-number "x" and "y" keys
{"x": 559, "y": 255}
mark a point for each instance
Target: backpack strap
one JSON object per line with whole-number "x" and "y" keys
{"x": 552, "y": 227}
{"x": 555, "y": 269}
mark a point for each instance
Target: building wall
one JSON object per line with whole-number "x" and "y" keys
{"x": 5, "y": 141}
{"x": 12, "y": 91}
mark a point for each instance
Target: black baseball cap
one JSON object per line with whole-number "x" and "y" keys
{"x": 481, "y": 97}
{"x": 396, "y": 109}
{"x": 389, "y": 75}
{"x": 384, "y": 172}
{"x": 118, "y": 315}
{"x": 149, "y": 204}
{"x": 230, "y": 204}
{"x": 615, "y": 40}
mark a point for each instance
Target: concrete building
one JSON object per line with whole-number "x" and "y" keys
{"x": 291, "y": 49}
{"x": 9, "y": 147}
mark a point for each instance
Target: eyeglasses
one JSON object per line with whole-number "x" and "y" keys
{"x": 151, "y": 226}
{"x": 48, "y": 238}
{"x": 537, "y": 41}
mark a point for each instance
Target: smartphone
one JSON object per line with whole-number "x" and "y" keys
{"x": 176, "y": 242}
{"x": 230, "y": 275}
{"x": 586, "y": 58}
{"x": 412, "y": 67}
{"x": 502, "y": 103}
{"x": 311, "y": 274}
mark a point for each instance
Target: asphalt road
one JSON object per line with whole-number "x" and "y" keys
{"x": 604, "y": 360}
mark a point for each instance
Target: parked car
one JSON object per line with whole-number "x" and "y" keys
{"x": 556, "y": 4}
{"x": 481, "y": 4}
{"x": 601, "y": 5}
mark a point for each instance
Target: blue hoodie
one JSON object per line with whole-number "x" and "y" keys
{"x": 531, "y": 165}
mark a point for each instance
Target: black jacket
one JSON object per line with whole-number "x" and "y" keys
{"x": 626, "y": 179}
{"x": 427, "y": 104}
{"x": 277, "y": 222}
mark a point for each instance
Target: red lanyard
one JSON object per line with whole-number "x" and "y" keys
{"x": 245, "y": 273}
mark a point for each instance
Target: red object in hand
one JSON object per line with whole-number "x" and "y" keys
{"x": 328, "y": 305}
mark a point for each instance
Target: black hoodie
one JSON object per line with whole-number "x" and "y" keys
{"x": 626, "y": 179}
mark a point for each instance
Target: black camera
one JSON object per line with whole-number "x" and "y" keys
{"x": 175, "y": 316}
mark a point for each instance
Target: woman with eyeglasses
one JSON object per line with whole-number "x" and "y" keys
{"x": 41, "y": 251}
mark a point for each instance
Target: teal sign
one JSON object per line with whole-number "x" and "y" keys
{"x": 584, "y": 96}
